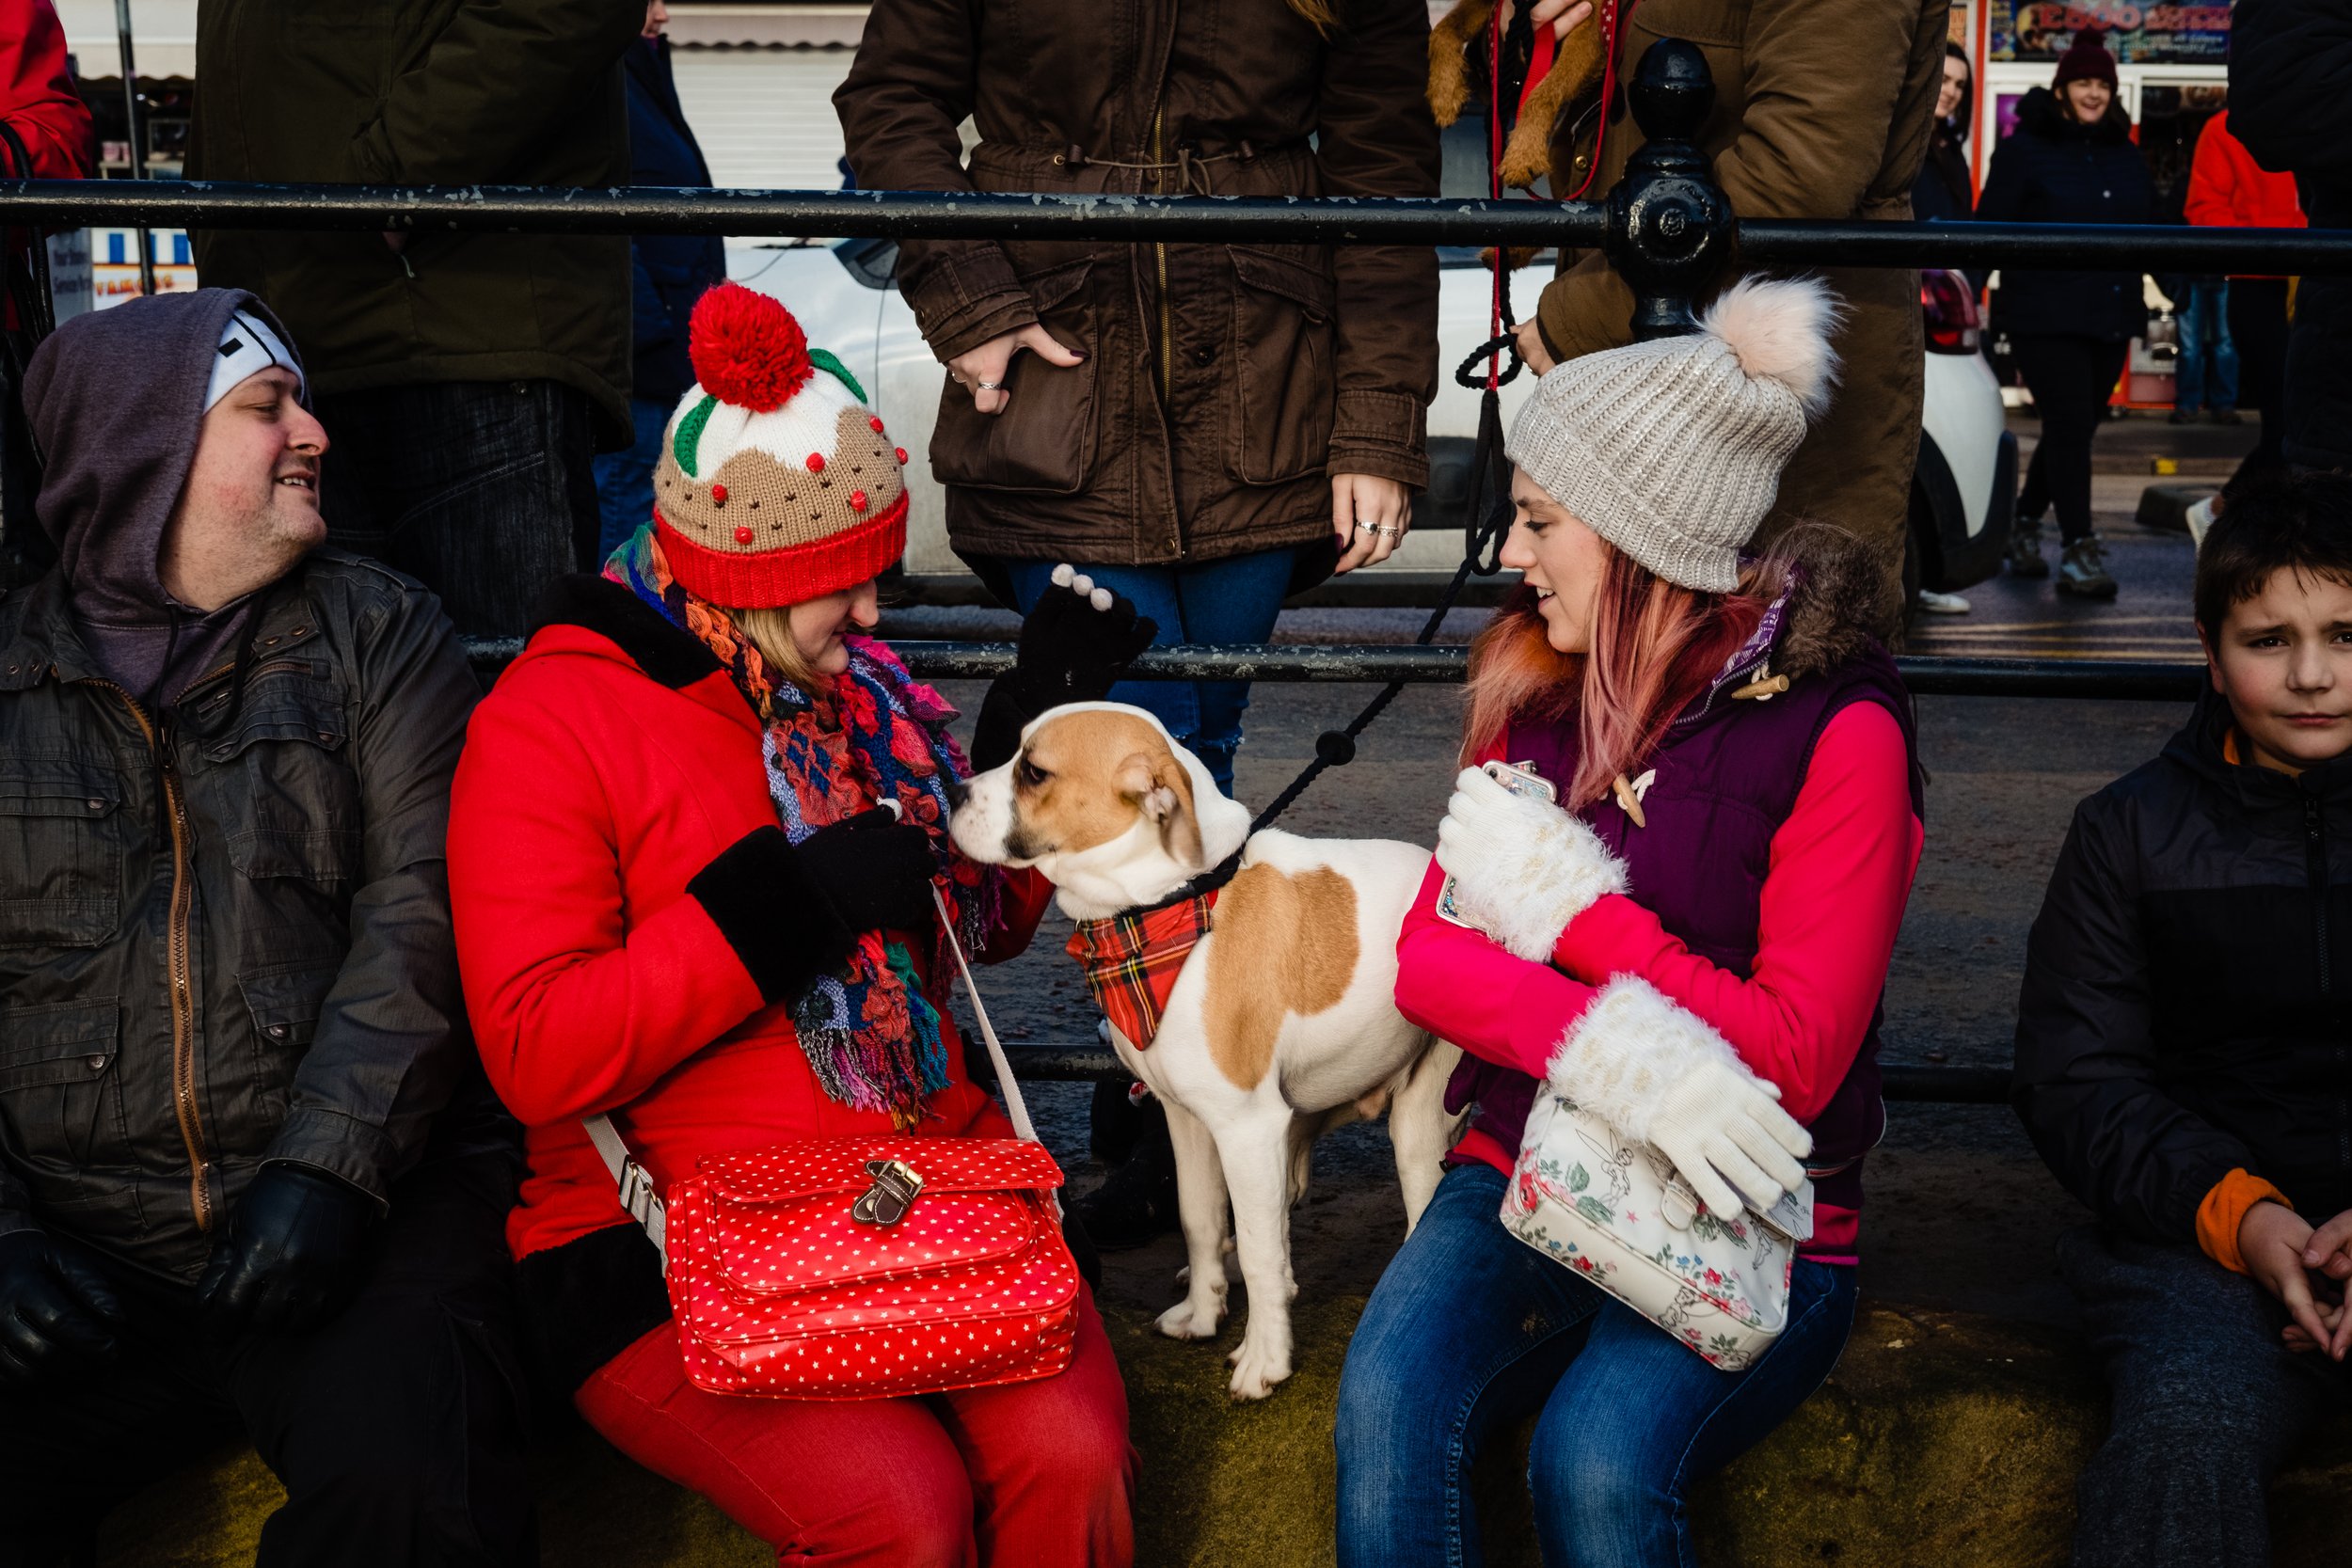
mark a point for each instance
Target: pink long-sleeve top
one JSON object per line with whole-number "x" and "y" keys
{"x": 1833, "y": 898}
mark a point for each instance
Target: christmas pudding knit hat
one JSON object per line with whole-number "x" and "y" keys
{"x": 776, "y": 483}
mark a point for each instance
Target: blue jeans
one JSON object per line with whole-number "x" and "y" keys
{"x": 2207, "y": 353}
{"x": 625, "y": 479}
{"x": 1471, "y": 1329}
{"x": 1234, "y": 600}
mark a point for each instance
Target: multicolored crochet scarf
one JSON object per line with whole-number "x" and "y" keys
{"x": 870, "y": 1031}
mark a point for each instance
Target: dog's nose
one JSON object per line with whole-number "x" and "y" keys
{"x": 957, "y": 792}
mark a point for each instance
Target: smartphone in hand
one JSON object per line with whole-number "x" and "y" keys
{"x": 1520, "y": 778}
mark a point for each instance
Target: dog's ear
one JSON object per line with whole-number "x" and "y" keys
{"x": 1162, "y": 790}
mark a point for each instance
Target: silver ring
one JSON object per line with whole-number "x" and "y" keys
{"x": 991, "y": 386}
{"x": 1366, "y": 528}
{"x": 1390, "y": 532}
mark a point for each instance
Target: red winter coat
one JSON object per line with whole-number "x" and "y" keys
{"x": 613, "y": 761}
{"x": 2227, "y": 189}
{"x": 37, "y": 100}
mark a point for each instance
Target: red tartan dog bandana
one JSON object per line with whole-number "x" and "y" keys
{"x": 1132, "y": 960}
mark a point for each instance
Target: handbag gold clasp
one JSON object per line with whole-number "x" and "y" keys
{"x": 886, "y": 1202}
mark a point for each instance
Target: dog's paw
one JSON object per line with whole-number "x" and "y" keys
{"x": 1181, "y": 1322}
{"x": 1257, "y": 1368}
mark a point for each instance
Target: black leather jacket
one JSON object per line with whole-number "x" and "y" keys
{"x": 225, "y": 936}
{"x": 2188, "y": 1003}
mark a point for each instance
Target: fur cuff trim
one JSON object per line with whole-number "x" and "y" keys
{"x": 1627, "y": 1051}
{"x": 1525, "y": 874}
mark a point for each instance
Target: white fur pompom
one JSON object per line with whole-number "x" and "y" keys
{"x": 1779, "y": 329}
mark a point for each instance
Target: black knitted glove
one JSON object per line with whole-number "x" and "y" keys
{"x": 1075, "y": 643}
{"x": 792, "y": 912}
{"x": 56, "y": 1313}
{"x": 877, "y": 874}
{"x": 293, "y": 1254}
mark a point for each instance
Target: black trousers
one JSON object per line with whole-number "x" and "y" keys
{"x": 485, "y": 491}
{"x": 2258, "y": 324}
{"x": 398, "y": 1428}
{"x": 2069, "y": 379}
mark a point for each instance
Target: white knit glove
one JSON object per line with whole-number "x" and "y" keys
{"x": 1522, "y": 867}
{"x": 1659, "y": 1075}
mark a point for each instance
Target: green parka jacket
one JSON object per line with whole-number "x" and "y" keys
{"x": 1822, "y": 110}
{"x": 225, "y": 939}
{"x": 425, "y": 92}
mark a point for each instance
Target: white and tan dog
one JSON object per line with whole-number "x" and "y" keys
{"x": 1283, "y": 1022}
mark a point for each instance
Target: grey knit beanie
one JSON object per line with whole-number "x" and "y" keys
{"x": 1672, "y": 450}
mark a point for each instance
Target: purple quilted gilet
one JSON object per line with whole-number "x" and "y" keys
{"x": 1728, "y": 777}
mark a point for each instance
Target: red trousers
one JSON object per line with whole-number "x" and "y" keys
{"x": 1025, "y": 1475}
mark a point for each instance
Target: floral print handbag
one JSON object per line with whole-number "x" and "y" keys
{"x": 1617, "y": 1213}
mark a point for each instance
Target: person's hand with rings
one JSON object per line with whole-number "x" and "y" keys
{"x": 986, "y": 369}
{"x": 1369, "y": 517}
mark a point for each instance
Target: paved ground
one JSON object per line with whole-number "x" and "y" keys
{"x": 1961, "y": 1212}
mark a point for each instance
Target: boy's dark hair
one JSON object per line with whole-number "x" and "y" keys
{"x": 2303, "y": 522}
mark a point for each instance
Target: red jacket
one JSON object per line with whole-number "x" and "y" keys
{"x": 37, "y": 96}
{"x": 615, "y": 761}
{"x": 2227, "y": 189}
{"x": 37, "y": 100}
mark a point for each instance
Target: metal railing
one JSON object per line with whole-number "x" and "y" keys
{"x": 1374, "y": 663}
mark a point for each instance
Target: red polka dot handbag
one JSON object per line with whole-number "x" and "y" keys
{"x": 862, "y": 1268}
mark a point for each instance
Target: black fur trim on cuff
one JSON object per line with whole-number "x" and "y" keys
{"x": 583, "y": 1303}
{"x": 781, "y": 925}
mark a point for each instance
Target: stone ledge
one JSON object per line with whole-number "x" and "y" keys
{"x": 1941, "y": 1440}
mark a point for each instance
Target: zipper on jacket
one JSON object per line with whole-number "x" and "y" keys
{"x": 1159, "y": 260}
{"x": 2315, "y": 866}
{"x": 177, "y": 966}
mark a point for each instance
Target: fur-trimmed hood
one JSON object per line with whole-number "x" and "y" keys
{"x": 1838, "y": 607}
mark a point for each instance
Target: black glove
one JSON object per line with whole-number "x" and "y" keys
{"x": 876, "y": 874}
{"x": 792, "y": 912}
{"x": 1071, "y": 652}
{"x": 292, "y": 1256}
{"x": 57, "y": 1312}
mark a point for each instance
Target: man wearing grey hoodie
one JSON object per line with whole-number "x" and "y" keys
{"x": 250, "y": 1174}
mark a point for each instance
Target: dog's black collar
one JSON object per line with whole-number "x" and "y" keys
{"x": 1199, "y": 887}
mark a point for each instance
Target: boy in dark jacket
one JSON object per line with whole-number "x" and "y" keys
{"x": 2183, "y": 1059}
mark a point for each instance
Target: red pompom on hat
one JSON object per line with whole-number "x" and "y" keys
{"x": 747, "y": 348}
{"x": 776, "y": 484}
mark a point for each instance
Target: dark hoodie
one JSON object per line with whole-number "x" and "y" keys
{"x": 2188, "y": 1000}
{"x": 116, "y": 463}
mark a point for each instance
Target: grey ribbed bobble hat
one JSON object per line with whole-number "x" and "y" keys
{"x": 1672, "y": 450}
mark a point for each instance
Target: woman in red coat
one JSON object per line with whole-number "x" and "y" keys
{"x": 676, "y": 902}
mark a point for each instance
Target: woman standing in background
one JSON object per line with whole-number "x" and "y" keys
{"x": 1187, "y": 423}
{"x": 2072, "y": 161}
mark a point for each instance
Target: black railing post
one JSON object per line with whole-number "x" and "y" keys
{"x": 1670, "y": 225}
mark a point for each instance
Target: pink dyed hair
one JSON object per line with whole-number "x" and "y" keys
{"x": 1656, "y": 646}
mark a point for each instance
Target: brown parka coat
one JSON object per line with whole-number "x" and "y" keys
{"x": 1822, "y": 110}
{"x": 1223, "y": 384}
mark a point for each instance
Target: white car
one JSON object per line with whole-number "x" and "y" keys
{"x": 1963, "y": 494}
